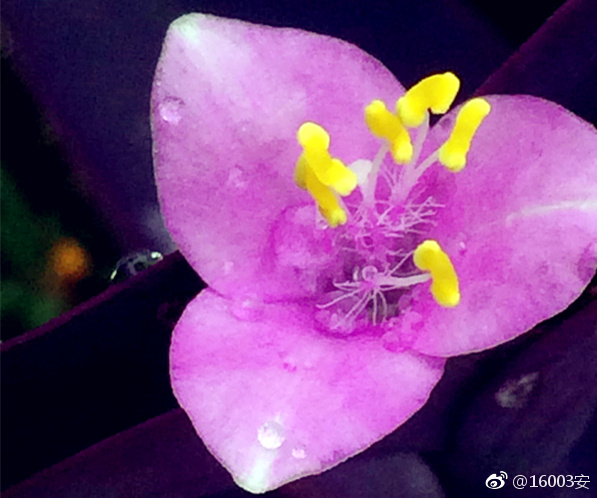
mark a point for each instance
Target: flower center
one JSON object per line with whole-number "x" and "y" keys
{"x": 381, "y": 224}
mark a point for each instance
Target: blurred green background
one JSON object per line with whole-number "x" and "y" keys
{"x": 55, "y": 251}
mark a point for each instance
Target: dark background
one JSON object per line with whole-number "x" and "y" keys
{"x": 76, "y": 165}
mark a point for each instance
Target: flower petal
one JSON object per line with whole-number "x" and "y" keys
{"x": 520, "y": 224}
{"x": 274, "y": 400}
{"x": 228, "y": 99}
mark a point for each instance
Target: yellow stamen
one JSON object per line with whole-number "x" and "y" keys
{"x": 329, "y": 170}
{"x": 452, "y": 153}
{"x": 435, "y": 93}
{"x": 430, "y": 257}
{"x": 383, "y": 124}
{"x": 324, "y": 197}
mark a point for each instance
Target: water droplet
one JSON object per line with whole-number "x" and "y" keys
{"x": 335, "y": 321}
{"x": 288, "y": 362}
{"x": 248, "y": 308}
{"x": 299, "y": 453}
{"x": 134, "y": 264}
{"x": 170, "y": 110}
{"x": 228, "y": 267}
{"x": 237, "y": 178}
{"x": 320, "y": 222}
{"x": 462, "y": 243}
{"x": 411, "y": 323}
{"x": 271, "y": 435}
{"x": 404, "y": 302}
{"x": 289, "y": 366}
{"x": 369, "y": 273}
{"x": 391, "y": 342}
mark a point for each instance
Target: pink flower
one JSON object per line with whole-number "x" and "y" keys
{"x": 312, "y": 342}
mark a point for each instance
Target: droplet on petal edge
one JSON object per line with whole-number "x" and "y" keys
{"x": 271, "y": 435}
{"x": 170, "y": 110}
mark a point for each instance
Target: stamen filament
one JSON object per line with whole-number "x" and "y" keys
{"x": 421, "y": 136}
{"x": 412, "y": 175}
{"x": 389, "y": 282}
{"x": 339, "y": 299}
{"x": 371, "y": 185}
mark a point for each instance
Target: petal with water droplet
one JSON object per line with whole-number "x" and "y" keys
{"x": 269, "y": 425}
{"x": 224, "y": 160}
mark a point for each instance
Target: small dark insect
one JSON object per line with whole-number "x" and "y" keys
{"x": 134, "y": 264}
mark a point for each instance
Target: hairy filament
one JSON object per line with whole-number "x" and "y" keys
{"x": 371, "y": 185}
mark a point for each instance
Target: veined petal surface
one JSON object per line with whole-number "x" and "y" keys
{"x": 274, "y": 400}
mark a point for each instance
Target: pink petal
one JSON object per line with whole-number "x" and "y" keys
{"x": 274, "y": 400}
{"x": 520, "y": 224}
{"x": 227, "y": 101}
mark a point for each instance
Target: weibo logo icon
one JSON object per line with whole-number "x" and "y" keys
{"x": 496, "y": 481}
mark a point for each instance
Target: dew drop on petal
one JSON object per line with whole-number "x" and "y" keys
{"x": 320, "y": 222}
{"x": 228, "y": 267}
{"x": 247, "y": 308}
{"x": 391, "y": 342}
{"x": 462, "y": 243}
{"x": 410, "y": 326}
{"x": 271, "y": 435}
{"x": 237, "y": 178}
{"x": 299, "y": 453}
{"x": 170, "y": 110}
{"x": 289, "y": 366}
{"x": 369, "y": 273}
{"x": 405, "y": 302}
{"x": 288, "y": 362}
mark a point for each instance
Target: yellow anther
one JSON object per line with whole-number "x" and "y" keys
{"x": 383, "y": 124}
{"x": 324, "y": 197}
{"x": 435, "y": 93}
{"x": 314, "y": 139}
{"x": 430, "y": 257}
{"x": 452, "y": 154}
{"x": 329, "y": 170}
